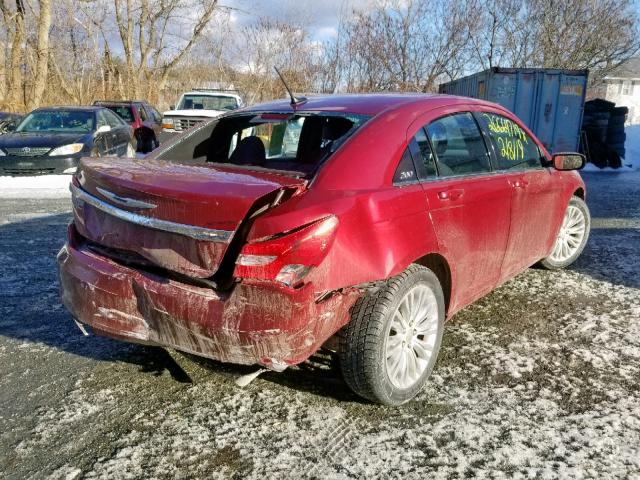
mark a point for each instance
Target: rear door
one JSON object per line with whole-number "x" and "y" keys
{"x": 533, "y": 192}
{"x": 469, "y": 204}
{"x": 104, "y": 140}
{"x": 121, "y": 133}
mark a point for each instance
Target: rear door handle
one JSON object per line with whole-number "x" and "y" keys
{"x": 452, "y": 194}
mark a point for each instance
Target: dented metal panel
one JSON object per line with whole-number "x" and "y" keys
{"x": 253, "y": 323}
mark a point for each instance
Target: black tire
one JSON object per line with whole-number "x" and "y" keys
{"x": 148, "y": 143}
{"x": 549, "y": 263}
{"x": 363, "y": 340}
{"x": 617, "y": 122}
{"x": 617, "y": 138}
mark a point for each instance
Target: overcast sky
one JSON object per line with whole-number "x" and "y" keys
{"x": 322, "y": 16}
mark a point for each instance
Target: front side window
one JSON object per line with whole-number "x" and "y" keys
{"x": 424, "y": 156}
{"x": 157, "y": 118}
{"x": 458, "y": 145}
{"x": 514, "y": 149}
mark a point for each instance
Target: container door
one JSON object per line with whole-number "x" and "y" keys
{"x": 570, "y": 106}
{"x": 547, "y": 106}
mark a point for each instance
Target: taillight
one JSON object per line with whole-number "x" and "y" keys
{"x": 290, "y": 257}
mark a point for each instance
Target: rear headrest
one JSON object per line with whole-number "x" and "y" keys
{"x": 250, "y": 151}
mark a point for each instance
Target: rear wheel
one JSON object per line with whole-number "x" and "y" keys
{"x": 390, "y": 346}
{"x": 572, "y": 237}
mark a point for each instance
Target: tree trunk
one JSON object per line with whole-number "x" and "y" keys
{"x": 42, "y": 55}
{"x": 14, "y": 95}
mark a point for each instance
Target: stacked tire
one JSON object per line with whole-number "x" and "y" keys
{"x": 603, "y": 128}
{"x": 615, "y": 129}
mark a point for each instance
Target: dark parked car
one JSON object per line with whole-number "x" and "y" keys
{"x": 52, "y": 140}
{"x": 145, "y": 120}
{"x": 8, "y": 121}
{"x": 378, "y": 216}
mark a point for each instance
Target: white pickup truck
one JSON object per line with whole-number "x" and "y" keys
{"x": 197, "y": 106}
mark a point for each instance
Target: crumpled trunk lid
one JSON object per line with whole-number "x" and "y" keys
{"x": 179, "y": 217}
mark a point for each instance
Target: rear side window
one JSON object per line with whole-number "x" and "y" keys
{"x": 123, "y": 112}
{"x": 112, "y": 119}
{"x": 142, "y": 114}
{"x": 458, "y": 145}
{"x": 406, "y": 172}
{"x": 424, "y": 156}
{"x": 514, "y": 149}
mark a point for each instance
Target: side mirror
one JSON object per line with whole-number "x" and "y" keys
{"x": 10, "y": 127}
{"x": 568, "y": 161}
{"x": 103, "y": 129}
{"x": 172, "y": 107}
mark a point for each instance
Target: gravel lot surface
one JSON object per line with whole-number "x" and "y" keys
{"x": 540, "y": 379}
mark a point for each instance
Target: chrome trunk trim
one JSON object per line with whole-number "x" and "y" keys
{"x": 198, "y": 233}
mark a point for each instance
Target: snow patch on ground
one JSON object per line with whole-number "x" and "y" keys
{"x": 511, "y": 397}
{"x": 42, "y": 186}
{"x": 632, "y": 147}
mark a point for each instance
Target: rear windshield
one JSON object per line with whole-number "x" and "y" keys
{"x": 294, "y": 143}
{"x": 123, "y": 111}
{"x": 281, "y": 142}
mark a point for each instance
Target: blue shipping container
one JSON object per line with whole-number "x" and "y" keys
{"x": 549, "y": 101}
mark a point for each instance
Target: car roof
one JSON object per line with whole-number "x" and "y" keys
{"x": 70, "y": 109}
{"x": 212, "y": 93}
{"x": 117, "y": 102}
{"x": 365, "y": 104}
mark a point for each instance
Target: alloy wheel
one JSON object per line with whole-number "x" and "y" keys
{"x": 412, "y": 337}
{"x": 571, "y": 234}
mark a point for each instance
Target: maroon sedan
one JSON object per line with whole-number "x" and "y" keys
{"x": 145, "y": 120}
{"x": 359, "y": 223}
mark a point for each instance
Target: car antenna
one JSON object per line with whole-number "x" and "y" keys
{"x": 295, "y": 101}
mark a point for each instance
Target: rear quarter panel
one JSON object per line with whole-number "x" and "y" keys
{"x": 380, "y": 232}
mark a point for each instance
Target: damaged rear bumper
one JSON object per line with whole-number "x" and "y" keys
{"x": 254, "y": 323}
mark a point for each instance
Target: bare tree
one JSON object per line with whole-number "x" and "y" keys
{"x": 268, "y": 43}
{"x": 405, "y": 44}
{"x": 14, "y": 20}
{"x": 42, "y": 54}
{"x": 156, "y": 36}
{"x": 577, "y": 34}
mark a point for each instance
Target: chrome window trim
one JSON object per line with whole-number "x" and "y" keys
{"x": 198, "y": 233}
